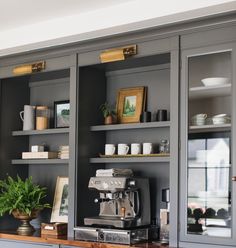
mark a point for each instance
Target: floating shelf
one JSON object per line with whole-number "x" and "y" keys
{"x": 40, "y": 161}
{"x": 130, "y": 160}
{"x": 207, "y": 92}
{"x": 209, "y": 128}
{"x": 154, "y": 124}
{"x": 41, "y": 132}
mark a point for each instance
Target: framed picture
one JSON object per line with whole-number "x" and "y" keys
{"x": 62, "y": 114}
{"x": 130, "y": 104}
{"x": 60, "y": 203}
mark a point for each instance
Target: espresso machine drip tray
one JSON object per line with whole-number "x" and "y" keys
{"x": 116, "y": 236}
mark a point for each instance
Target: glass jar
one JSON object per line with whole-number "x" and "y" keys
{"x": 164, "y": 146}
{"x": 42, "y": 117}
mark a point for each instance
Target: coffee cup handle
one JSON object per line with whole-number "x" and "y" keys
{"x": 127, "y": 149}
{"x": 21, "y": 115}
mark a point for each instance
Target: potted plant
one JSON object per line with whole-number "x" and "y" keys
{"x": 23, "y": 199}
{"x": 108, "y": 113}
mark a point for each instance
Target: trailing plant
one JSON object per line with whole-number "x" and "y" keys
{"x": 24, "y": 196}
{"x": 107, "y": 110}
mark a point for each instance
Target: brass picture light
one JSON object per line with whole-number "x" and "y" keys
{"x": 117, "y": 54}
{"x": 29, "y": 68}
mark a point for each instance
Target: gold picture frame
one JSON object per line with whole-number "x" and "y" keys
{"x": 131, "y": 102}
{"x": 60, "y": 203}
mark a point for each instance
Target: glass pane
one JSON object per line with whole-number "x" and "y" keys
{"x": 209, "y": 140}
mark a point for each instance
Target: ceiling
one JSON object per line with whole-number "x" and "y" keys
{"x": 15, "y": 13}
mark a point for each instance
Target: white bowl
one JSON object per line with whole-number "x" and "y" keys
{"x": 220, "y": 119}
{"x": 214, "y": 81}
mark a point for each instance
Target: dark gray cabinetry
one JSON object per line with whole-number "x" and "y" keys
{"x": 207, "y": 145}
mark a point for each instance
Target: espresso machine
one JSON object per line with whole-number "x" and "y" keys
{"x": 124, "y": 215}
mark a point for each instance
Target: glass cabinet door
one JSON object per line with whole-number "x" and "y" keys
{"x": 207, "y": 152}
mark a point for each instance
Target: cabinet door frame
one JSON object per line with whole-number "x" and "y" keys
{"x": 185, "y": 55}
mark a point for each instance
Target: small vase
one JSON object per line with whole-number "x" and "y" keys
{"x": 26, "y": 228}
{"x": 108, "y": 120}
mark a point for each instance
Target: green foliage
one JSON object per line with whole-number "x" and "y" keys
{"x": 65, "y": 112}
{"x": 24, "y": 196}
{"x": 107, "y": 110}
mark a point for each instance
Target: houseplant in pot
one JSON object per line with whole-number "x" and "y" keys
{"x": 23, "y": 199}
{"x": 109, "y": 113}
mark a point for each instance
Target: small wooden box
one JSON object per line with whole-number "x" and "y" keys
{"x": 53, "y": 229}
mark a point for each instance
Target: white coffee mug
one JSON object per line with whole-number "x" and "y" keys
{"x": 28, "y": 117}
{"x": 110, "y": 149}
{"x": 147, "y": 148}
{"x": 135, "y": 148}
{"x": 123, "y": 149}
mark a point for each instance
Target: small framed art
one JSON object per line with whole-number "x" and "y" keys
{"x": 62, "y": 114}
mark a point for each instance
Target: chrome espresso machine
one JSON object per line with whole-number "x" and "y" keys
{"x": 124, "y": 215}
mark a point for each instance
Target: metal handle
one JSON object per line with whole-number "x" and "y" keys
{"x": 234, "y": 178}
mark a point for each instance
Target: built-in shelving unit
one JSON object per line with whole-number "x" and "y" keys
{"x": 41, "y": 132}
{"x": 206, "y": 92}
{"x": 154, "y": 124}
{"x": 40, "y": 161}
{"x": 210, "y": 128}
{"x": 130, "y": 160}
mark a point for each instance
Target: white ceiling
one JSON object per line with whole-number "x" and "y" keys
{"x": 28, "y": 24}
{"x": 15, "y": 13}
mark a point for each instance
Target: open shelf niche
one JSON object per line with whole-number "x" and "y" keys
{"x": 152, "y": 72}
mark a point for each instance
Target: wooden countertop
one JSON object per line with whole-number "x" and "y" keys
{"x": 12, "y": 235}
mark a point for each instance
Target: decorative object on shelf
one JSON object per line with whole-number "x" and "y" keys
{"x": 214, "y": 81}
{"x": 60, "y": 203}
{"x": 42, "y": 117}
{"x": 109, "y": 113}
{"x": 54, "y": 230}
{"x": 135, "y": 148}
{"x": 123, "y": 149}
{"x": 146, "y": 116}
{"x": 117, "y": 54}
{"x": 37, "y": 148}
{"x": 221, "y": 119}
{"x": 161, "y": 115}
{"x": 29, "y": 68}
{"x": 147, "y": 148}
{"x": 62, "y": 114}
{"x": 196, "y": 227}
{"x": 131, "y": 102}
{"x": 22, "y": 199}
{"x": 39, "y": 155}
{"x": 199, "y": 119}
{"x": 164, "y": 146}
{"x": 28, "y": 117}
{"x": 110, "y": 149}
{"x": 114, "y": 172}
{"x": 63, "y": 152}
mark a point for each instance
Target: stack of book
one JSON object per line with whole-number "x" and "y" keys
{"x": 63, "y": 152}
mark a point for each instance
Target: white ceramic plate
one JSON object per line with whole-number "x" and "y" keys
{"x": 214, "y": 81}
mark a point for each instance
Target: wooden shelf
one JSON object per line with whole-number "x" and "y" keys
{"x": 209, "y": 128}
{"x": 154, "y": 124}
{"x": 130, "y": 160}
{"x": 207, "y": 92}
{"x": 40, "y": 161}
{"x": 41, "y": 132}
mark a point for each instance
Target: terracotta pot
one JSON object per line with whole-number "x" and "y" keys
{"x": 108, "y": 120}
{"x": 26, "y": 228}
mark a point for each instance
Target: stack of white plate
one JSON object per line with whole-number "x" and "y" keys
{"x": 199, "y": 119}
{"x": 220, "y": 119}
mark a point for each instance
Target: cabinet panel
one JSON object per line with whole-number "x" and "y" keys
{"x": 14, "y": 244}
{"x": 207, "y": 145}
